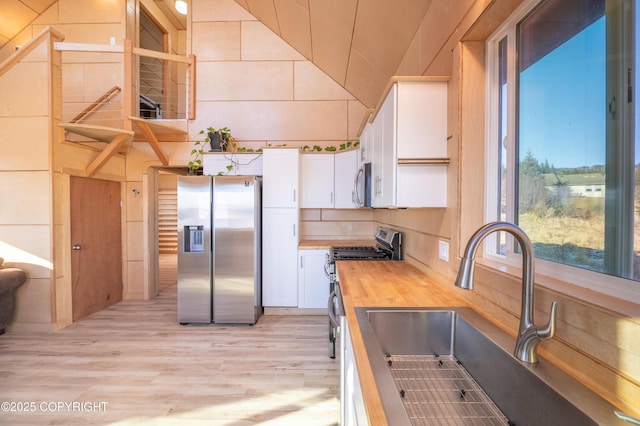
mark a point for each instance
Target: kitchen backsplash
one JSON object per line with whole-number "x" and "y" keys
{"x": 336, "y": 224}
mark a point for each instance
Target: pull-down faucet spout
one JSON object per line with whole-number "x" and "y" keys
{"x": 529, "y": 335}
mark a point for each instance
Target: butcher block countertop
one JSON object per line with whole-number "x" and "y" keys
{"x": 385, "y": 284}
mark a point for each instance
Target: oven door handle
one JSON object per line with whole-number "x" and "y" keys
{"x": 331, "y": 309}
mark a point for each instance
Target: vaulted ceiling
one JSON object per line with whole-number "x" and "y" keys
{"x": 15, "y": 15}
{"x": 358, "y": 43}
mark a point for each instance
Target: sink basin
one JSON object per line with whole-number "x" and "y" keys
{"x": 451, "y": 366}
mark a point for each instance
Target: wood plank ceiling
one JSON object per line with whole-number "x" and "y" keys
{"x": 15, "y": 15}
{"x": 359, "y": 44}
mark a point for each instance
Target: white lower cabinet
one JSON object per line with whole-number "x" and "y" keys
{"x": 281, "y": 178}
{"x": 279, "y": 257}
{"x": 313, "y": 282}
{"x": 352, "y": 410}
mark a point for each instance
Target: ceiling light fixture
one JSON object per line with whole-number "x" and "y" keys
{"x": 181, "y": 7}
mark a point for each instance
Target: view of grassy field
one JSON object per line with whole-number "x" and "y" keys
{"x": 563, "y": 230}
{"x": 578, "y": 221}
{"x": 574, "y": 239}
{"x": 563, "y": 212}
{"x": 566, "y": 239}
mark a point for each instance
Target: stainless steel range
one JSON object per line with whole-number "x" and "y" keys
{"x": 388, "y": 247}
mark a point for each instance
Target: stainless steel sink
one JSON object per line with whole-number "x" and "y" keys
{"x": 451, "y": 366}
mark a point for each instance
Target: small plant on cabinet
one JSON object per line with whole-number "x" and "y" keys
{"x": 218, "y": 139}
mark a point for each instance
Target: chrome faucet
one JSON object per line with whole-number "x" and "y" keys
{"x": 529, "y": 335}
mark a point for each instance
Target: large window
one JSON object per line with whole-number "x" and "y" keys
{"x": 562, "y": 137}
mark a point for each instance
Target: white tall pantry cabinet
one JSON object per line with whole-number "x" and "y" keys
{"x": 280, "y": 227}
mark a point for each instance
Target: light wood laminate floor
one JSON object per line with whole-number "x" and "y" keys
{"x": 132, "y": 364}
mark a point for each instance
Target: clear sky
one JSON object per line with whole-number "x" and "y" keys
{"x": 563, "y": 108}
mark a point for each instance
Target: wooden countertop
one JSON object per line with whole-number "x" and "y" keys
{"x": 384, "y": 284}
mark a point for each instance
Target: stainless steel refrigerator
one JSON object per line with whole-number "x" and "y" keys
{"x": 219, "y": 249}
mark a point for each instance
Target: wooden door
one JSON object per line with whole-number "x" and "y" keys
{"x": 96, "y": 255}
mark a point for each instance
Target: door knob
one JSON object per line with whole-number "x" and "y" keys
{"x": 76, "y": 247}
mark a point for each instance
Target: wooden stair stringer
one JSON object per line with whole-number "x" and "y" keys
{"x": 115, "y": 139}
{"x": 149, "y": 130}
{"x": 107, "y": 153}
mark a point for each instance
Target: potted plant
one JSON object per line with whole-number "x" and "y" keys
{"x": 218, "y": 139}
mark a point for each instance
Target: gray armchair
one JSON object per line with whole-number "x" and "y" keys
{"x": 10, "y": 280}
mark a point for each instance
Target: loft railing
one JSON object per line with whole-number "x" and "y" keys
{"x": 155, "y": 85}
{"x": 166, "y": 84}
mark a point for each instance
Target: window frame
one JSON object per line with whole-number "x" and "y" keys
{"x": 548, "y": 272}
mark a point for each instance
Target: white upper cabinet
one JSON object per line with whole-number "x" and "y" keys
{"x": 346, "y": 166}
{"x": 317, "y": 180}
{"x": 384, "y": 153}
{"x": 281, "y": 170}
{"x": 327, "y": 179}
{"x": 409, "y": 133}
{"x": 366, "y": 144}
{"x": 421, "y": 116}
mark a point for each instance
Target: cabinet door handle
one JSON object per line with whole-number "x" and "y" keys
{"x": 301, "y": 262}
{"x": 294, "y": 195}
{"x": 294, "y": 229}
